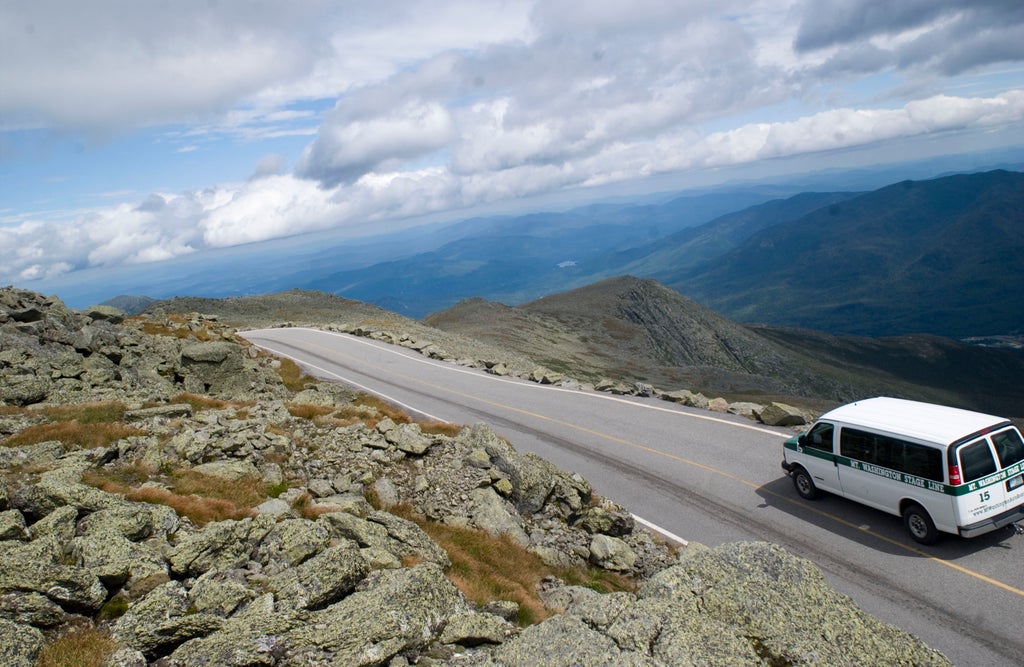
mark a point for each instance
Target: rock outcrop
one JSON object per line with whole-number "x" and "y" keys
{"x": 309, "y": 571}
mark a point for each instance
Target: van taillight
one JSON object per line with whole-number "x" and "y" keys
{"x": 954, "y": 475}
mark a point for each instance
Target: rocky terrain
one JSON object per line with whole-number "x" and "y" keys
{"x": 171, "y": 496}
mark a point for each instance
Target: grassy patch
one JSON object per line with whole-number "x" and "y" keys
{"x": 440, "y": 428}
{"x": 78, "y": 426}
{"x": 73, "y": 434}
{"x": 104, "y": 412}
{"x": 486, "y": 568}
{"x": 310, "y": 412}
{"x": 79, "y": 647}
{"x": 200, "y": 511}
{"x": 178, "y": 327}
{"x": 199, "y": 497}
{"x": 292, "y": 375}
{"x": 200, "y": 402}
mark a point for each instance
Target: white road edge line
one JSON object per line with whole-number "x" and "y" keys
{"x": 419, "y": 358}
{"x": 661, "y": 531}
{"x": 356, "y": 384}
{"x": 644, "y": 522}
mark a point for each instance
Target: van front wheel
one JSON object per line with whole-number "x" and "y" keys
{"x": 805, "y": 485}
{"x": 920, "y": 525}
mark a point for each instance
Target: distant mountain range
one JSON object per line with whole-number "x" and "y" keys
{"x": 940, "y": 256}
{"x": 637, "y": 330}
{"x": 640, "y": 330}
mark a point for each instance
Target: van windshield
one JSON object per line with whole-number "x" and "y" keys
{"x": 1009, "y": 447}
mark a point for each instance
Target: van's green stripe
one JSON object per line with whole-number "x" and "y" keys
{"x": 896, "y": 476}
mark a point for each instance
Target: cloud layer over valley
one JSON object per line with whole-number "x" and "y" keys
{"x": 315, "y": 115}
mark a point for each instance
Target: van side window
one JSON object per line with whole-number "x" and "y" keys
{"x": 820, "y": 437}
{"x": 893, "y": 453}
{"x": 858, "y": 445}
{"x": 1009, "y": 447}
{"x": 976, "y": 460}
{"x": 922, "y": 461}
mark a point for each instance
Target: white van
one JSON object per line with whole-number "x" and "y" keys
{"x": 940, "y": 468}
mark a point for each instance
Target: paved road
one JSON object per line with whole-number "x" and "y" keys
{"x": 708, "y": 478}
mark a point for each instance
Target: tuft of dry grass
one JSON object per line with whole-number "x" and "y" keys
{"x": 243, "y": 492}
{"x": 310, "y": 412}
{"x": 440, "y": 428}
{"x": 292, "y": 376}
{"x": 103, "y": 412}
{"x": 381, "y": 409}
{"x": 200, "y": 402}
{"x": 178, "y": 329}
{"x": 486, "y": 568}
{"x": 304, "y": 506}
{"x": 199, "y": 497}
{"x": 78, "y": 426}
{"x": 79, "y": 647}
{"x": 73, "y": 434}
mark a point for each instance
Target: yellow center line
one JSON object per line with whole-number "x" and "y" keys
{"x": 701, "y": 466}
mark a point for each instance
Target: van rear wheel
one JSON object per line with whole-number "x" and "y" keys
{"x": 805, "y": 485}
{"x": 920, "y": 525}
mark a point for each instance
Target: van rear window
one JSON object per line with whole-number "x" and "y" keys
{"x": 1008, "y": 446}
{"x": 976, "y": 460}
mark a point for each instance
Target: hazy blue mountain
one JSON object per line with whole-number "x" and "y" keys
{"x": 941, "y": 256}
{"x": 518, "y": 258}
{"x": 676, "y": 256}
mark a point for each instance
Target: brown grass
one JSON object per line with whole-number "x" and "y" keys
{"x": 200, "y": 402}
{"x": 440, "y": 428}
{"x": 486, "y": 568}
{"x": 79, "y": 647}
{"x": 382, "y": 408}
{"x": 103, "y": 412}
{"x": 311, "y": 412}
{"x": 304, "y": 506}
{"x": 73, "y": 434}
{"x": 244, "y": 492}
{"x": 180, "y": 330}
{"x": 292, "y": 376}
{"x": 199, "y": 497}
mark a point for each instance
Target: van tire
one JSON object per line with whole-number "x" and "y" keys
{"x": 919, "y": 524}
{"x": 804, "y": 484}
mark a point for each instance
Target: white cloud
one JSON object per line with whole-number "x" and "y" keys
{"x": 280, "y": 205}
{"x": 112, "y": 65}
{"x": 465, "y": 103}
{"x": 346, "y": 147}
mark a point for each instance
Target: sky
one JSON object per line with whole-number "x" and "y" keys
{"x": 137, "y": 131}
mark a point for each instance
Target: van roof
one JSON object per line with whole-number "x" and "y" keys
{"x": 925, "y": 421}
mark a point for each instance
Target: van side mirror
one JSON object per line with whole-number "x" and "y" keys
{"x": 802, "y": 440}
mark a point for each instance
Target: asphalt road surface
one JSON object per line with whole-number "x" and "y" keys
{"x": 708, "y": 478}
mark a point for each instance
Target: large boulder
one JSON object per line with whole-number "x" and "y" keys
{"x": 19, "y": 644}
{"x": 251, "y": 638}
{"x": 535, "y": 481}
{"x": 393, "y": 611}
{"x": 75, "y": 589}
{"x": 323, "y": 579}
{"x": 220, "y": 545}
{"x": 781, "y": 414}
{"x": 162, "y": 620}
{"x": 565, "y": 641}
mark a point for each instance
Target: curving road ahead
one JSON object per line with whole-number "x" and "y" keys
{"x": 709, "y": 478}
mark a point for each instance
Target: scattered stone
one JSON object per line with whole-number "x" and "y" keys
{"x": 780, "y": 414}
